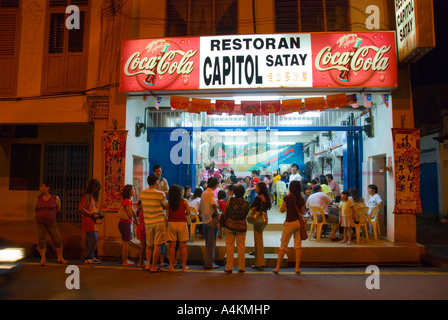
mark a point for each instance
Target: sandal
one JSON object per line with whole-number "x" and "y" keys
{"x": 156, "y": 271}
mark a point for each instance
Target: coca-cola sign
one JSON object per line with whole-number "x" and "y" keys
{"x": 354, "y": 60}
{"x": 302, "y": 60}
{"x": 160, "y": 64}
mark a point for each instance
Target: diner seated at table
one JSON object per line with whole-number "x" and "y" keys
{"x": 321, "y": 200}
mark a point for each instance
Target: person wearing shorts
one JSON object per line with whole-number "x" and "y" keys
{"x": 154, "y": 204}
{"x": 178, "y": 209}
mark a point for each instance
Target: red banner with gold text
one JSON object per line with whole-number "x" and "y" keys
{"x": 407, "y": 170}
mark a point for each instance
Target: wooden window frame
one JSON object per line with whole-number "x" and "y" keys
{"x": 63, "y": 85}
{"x": 14, "y": 60}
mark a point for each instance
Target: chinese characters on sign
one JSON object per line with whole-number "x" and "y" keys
{"x": 114, "y": 155}
{"x": 407, "y": 170}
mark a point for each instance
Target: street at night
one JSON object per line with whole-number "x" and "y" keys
{"x": 113, "y": 282}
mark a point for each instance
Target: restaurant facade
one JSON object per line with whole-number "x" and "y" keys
{"x": 326, "y": 100}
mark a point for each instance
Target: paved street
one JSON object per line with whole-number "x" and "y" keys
{"x": 112, "y": 282}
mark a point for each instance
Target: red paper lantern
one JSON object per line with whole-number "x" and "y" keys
{"x": 271, "y": 106}
{"x": 225, "y": 106}
{"x": 250, "y": 106}
{"x": 179, "y": 103}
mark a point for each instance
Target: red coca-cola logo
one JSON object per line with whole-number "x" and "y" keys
{"x": 160, "y": 64}
{"x": 354, "y": 60}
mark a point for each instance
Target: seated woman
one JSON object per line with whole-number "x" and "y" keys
{"x": 357, "y": 202}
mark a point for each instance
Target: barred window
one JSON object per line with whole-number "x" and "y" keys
{"x": 311, "y": 15}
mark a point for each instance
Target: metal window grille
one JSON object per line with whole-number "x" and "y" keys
{"x": 66, "y": 168}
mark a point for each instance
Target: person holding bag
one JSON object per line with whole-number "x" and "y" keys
{"x": 234, "y": 221}
{"x": 126, "y": 214}
{"x": 260, "y": 205}
{"x": 294, "y": 204}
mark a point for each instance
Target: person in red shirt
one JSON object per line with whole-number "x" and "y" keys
{"x": 88, "y": 209}
{"x": 178, "y": 209}
{"x": 124, "y": 226}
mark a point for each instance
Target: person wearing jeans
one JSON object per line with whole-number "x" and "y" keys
{"x": 210, "y": 219}
{"x": 87, "y": 208}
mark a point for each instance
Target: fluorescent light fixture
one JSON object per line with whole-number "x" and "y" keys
{"x": 309, "y": 114}
{"x": 287, "y": 133}
{"x": 281, "y": 143}
{"x": 235, "y": 143}
{"x": 296, "y": 122}
{"x": 232, "y": 123}
{"x": 234, "y": 133}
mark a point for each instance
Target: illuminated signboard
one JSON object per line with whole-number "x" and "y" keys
{"x": 415, "y": 29}
{"x": 406, "y": 31}
{"x": 302, "y": 60}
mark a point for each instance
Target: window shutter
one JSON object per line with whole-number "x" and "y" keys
{"x": 57, "y": 26}
{"x": 76, "y": 36}
{"x": 9, "y": 3}
{"x": 7, "y": 34}
{"x": 312, "y": 15}
{"x": 286, "y": 19}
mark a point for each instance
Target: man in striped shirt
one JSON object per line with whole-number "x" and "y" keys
{"x": 154, "y": 204}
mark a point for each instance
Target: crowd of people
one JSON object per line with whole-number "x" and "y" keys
{"x": 224, "y": 204}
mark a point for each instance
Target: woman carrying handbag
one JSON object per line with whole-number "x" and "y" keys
{"x": 261, "y": 203}
{"x": 294, "y": 204}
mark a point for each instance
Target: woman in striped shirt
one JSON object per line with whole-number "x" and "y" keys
{"x": 47, "y": 206}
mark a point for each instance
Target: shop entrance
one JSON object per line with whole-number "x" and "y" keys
{"x": 188, "y": 155}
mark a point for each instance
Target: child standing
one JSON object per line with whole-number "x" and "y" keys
{"x": 87, "y": 208}
{"x": 346, "y": 213}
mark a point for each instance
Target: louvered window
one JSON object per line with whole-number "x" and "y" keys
{"x": 66, "y": 58}
{"x": 76, "y": 36}
{"x": 57, "y": 28}
{"x": 201, "y": 17}
{"x": 9, "y": 42}
{"x": 311, "y": 15}
{"x": 9, "y": 3}
{"x": 7, "y": 34}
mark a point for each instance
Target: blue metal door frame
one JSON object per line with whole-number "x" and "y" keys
{"x": 352, "y": 152}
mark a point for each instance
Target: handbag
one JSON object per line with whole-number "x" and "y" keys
{"x": 122, "y": 214}
{"x": 257, "y": 217}
{"x": 303, "y": 233}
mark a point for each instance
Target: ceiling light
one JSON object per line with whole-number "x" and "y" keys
{"x": 296, "y": 122}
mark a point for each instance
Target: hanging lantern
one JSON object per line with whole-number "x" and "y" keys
{"x": 200, "y": 105}
{"x": 225, "y": 106}
{"x": 271, "y": 106}
{"x": 291, "y": 105}
{"x": 179, "y": 103}
{"x": 337, "y": 100}
{"x": 315, "y": 104}
{"x": 250, "y": 106}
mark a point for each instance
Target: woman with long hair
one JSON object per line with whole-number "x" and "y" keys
{"x": 47, "y": 206}
{"x": 294, "y": 204}
{"x": 178, "y": 209}
{"x": 124, "y": 225}
{"x": 356, "y": 200}
{"x": 262, "y": 202}
{"x": 89, "y": 212}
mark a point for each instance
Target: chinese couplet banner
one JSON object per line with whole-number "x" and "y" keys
{"x": 114, "y": 155}
{"x": 407, "y": 170}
